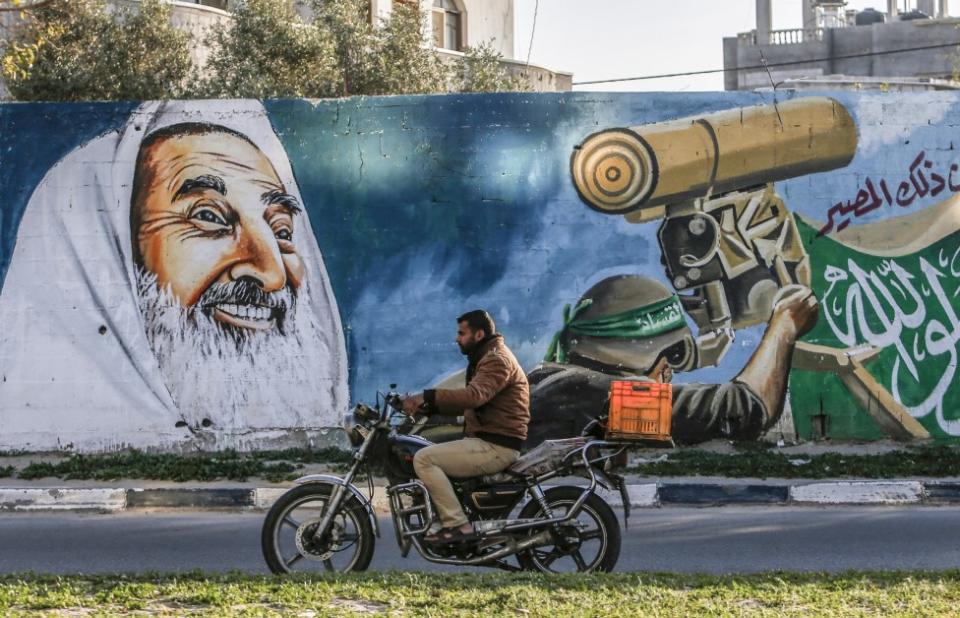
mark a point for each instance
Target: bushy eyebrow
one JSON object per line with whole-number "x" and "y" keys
{"x": 281, "y": 198}
{"x": 206, "y": 181}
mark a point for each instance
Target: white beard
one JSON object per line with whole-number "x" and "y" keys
{"x": 257, "y": 380}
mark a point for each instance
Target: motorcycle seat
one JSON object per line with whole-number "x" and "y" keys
{"x": 540, "y": 460}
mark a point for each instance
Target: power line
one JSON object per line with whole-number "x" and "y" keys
{"x": 533, "y": 29}
{"x": 771, "y": 64}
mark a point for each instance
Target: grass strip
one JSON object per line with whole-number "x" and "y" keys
{"x": 419, "y": 594}
{"x": 270, "y": 465}
{"x": 754, "y": 462}
{"x": 751, "y": 461}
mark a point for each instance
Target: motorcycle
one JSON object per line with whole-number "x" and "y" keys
{"x": 325, "y": 523}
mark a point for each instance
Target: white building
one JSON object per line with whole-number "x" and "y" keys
{"x": 911, "y": 46}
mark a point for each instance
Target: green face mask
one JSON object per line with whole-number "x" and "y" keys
{"x": 641, "y": 323}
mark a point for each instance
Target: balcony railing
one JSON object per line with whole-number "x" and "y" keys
{"x": 791, "y": 36}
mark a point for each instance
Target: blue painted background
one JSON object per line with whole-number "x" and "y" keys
{"x": 425, "y": 207}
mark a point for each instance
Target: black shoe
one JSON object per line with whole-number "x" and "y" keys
{"x": 448, "y": 536}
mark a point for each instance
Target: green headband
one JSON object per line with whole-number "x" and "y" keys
{"x": 644, "y": 322}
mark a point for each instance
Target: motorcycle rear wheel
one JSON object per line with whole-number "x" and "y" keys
{"x": 597, "y": 533}
{"x": 286, "y": 537}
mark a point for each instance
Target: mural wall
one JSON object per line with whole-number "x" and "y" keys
{"x": 215, "y": 274}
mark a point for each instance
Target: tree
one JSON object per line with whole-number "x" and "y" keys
{"x": 72, "y": 50}
{"x": 347, "y": 25}
{"x": 76, "y": 51}
{"x": 482, "y": 70}
{"x": 7, "y": 6}
{"x": 269, "y": 52}
{"x": 389, "y": 59}
{"x": 402, "y": 64}
{"x": 150, "y": 58}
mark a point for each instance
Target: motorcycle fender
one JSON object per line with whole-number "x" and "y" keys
{"x": 604, "y": 479}
{"x": 624, "y": 497}
{"x": 329, "y": 479}
{"x": 615, "y": 482}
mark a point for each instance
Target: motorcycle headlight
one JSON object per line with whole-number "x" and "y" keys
{"x": 356, "y": 435}
{"x": 363, "y": 413}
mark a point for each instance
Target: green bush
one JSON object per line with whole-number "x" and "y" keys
{"x": 78, "y": 51}
{"x": 230, "y": 465}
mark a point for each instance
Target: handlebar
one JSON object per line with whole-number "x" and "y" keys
{"x": 393, "y": 407}
{"x": 394, "y": 400}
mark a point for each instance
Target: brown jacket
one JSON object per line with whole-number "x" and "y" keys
{"x": 496, "y": 400}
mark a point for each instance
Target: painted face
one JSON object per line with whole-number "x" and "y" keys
{"x": 467, "y": 338}
{"x": 212, "y": 216}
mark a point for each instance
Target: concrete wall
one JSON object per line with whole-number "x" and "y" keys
{"x": 833, "y": 43}
{"x": 541, "y": 79}
{"x": 805, "y": 288}
{"x": 536, "y": 77}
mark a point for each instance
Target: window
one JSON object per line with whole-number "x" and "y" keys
{"x": 217, "y": 4}
{"x": 447, "y": 28}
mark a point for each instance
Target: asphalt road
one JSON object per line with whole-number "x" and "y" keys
{"x": 715, "y": 540}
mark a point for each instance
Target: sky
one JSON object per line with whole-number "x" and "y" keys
{"x": 604, "y": 39}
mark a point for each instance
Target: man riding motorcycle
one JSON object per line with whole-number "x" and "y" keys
{"x": 496, "y": 407}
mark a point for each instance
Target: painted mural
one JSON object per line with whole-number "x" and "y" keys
{"x": 214, "y": 274}
{"x": 165, "y": 287}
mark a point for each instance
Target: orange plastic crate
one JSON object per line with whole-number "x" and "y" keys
{"x": 640, "y": 410}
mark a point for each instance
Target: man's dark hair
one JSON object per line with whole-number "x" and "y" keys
{"x": 478, "y": 319}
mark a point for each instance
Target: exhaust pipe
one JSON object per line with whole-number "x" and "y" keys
{"x": 513, "y": 547}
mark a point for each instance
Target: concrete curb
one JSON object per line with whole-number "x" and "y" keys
{"x": 858, "y": 492}
{"x": 642, "y": 495}
{"x": 62, "y": 499}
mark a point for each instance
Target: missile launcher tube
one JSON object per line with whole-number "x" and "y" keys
{"x": 618, "y": 171}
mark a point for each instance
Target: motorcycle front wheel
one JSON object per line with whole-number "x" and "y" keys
{"x": 589, "y": 542}
{"x": 288, "y": 536}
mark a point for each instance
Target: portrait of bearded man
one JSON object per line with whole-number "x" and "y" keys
{"x": 166, "y": 291}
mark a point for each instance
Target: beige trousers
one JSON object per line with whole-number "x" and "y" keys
{"x": 459, "y": 459}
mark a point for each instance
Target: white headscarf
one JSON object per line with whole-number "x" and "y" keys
{"x": 76, "y": 367}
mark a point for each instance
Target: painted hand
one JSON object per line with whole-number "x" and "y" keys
{"x": 412, "y": 403}
{"x": 798, "y": 306}
{"x": 661, "y": 371}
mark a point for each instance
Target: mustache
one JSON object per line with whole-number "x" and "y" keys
{"x": 247, "y": 292}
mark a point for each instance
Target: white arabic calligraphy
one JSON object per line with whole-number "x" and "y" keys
{"x": 903, "y": 313}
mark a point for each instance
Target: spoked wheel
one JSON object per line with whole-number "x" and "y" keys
{"x": 589, "y": 542}
{"x": 288, "y": 537}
